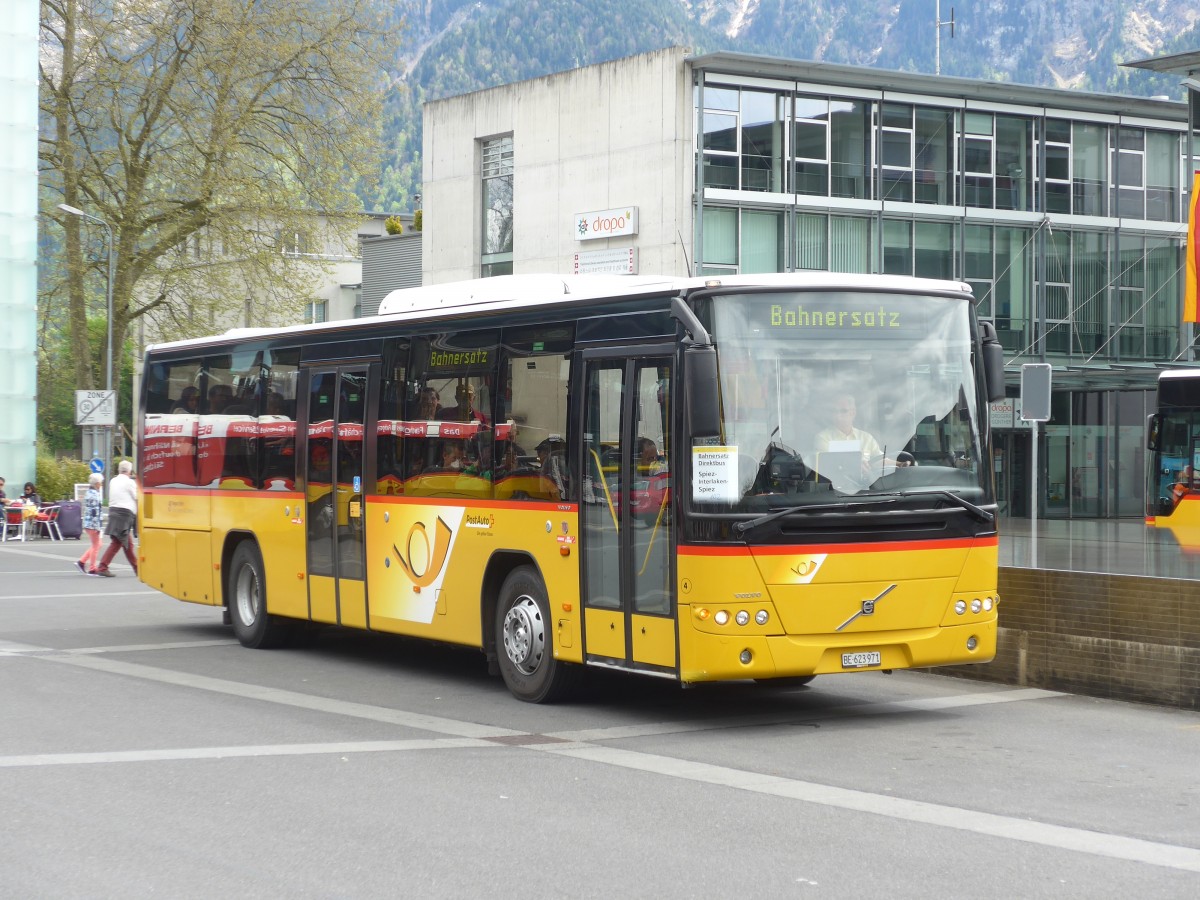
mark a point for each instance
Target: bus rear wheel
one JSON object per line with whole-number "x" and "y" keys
{"x": 525, "y": 641}
{"x": 247, "y": 599}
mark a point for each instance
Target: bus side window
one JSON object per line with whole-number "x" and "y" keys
{"x": 533, "y": 446}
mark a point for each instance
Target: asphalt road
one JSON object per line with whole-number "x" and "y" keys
{"x": 143, "y": 753}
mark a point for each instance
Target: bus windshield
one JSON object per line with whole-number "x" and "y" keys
{"x": 832, "y": 396}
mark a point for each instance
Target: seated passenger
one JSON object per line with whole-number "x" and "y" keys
{"x": 189, "y": 401}
{"x": 648, "y": 461}
{"x": 454, "y": 456}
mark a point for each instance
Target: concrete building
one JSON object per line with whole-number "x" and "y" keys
{"x": 1066, "y": 212}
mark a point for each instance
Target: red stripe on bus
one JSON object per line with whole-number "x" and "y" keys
{"x": 873, "y": 547}
{"x": 557, "y": 506}
{"x": 209, "y": 492}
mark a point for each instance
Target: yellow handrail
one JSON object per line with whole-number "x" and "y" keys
{"x": 657, "y": 520}
{"x": 607, "y": 494}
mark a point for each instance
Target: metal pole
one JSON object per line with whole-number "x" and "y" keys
{"x": 1033, "y": 498}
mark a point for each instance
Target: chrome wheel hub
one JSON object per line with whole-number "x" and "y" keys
{"x": 524, "y": 635}
{"x": 247, "y": 596}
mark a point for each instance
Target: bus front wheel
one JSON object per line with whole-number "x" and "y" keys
{"x": 247, "y": 598}
{"x": 525, "y": 640}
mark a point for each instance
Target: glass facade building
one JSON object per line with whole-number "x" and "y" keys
{"x": 1065, "y": 211}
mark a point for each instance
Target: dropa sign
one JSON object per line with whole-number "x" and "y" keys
{"x": 606, "y": 223}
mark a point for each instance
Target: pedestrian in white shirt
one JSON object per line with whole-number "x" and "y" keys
{"x": 122, "y": 516}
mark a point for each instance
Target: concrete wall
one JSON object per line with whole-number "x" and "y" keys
{"x": 601, "y": 137}
{"x": 1122, "y": 637}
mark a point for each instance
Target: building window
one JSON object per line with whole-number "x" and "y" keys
{"x": 719, "y": 143}
{"x": 1090, "y": 275}
{"x": 977, "y": 267}
{"x": 497, "y": 177}
{"x": 850, "y": 148}
{"x": 978, "y": 168}
{"x": 763, "y": 115}
{"x": 315, "y": 311}
{"x": 810, "y": 146}
{"x": 896, "y": 151}
{"x": 935, "y": 131}
{"x": 1057, "y": 147}
{"x": 293, "y": 243}
{"x": 1162, "y": 176}
{"x": 1129, "y": 173}
{"x": 1089, "y": 156}
{"x": 1014, "y": 157}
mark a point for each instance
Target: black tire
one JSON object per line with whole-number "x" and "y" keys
{"x": 525, "y": 641}
{"x": 246, "y": 596}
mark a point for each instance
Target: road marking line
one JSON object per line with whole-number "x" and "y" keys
{"x": 124, "y": 756}
{"x": 1079, "y": 840}
{"x": 8, "y": 648}
{"x": 76, "y": 596}
{"x": 421, "y": 721}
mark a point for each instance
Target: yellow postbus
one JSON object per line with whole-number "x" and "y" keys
{"x": 746, "y": 477}
{"x": 1173, "y": 457}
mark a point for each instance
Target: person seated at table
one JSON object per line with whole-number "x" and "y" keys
{"x": 31, "y": 497}
{"x": 3, "y": 498}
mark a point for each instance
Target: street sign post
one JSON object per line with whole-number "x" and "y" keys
{"x": 96, "y": 408}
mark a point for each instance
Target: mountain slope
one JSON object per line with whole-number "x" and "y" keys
{"x": 455, "y": 46}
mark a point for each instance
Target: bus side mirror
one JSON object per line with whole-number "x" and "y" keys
{"x": 702, "y": 391}
{"x": 1154, "y": 431}
{"x": 993, "y": 361}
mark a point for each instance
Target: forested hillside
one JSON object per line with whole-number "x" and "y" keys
{"x": 454, "y": 46}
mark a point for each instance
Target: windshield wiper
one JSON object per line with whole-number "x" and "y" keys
{"x": 977, "y": 511}
{"x": 740, "y": 528}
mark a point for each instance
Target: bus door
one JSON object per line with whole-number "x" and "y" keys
{"x": 336, "y": 473}
{"x": 627, "y": 527}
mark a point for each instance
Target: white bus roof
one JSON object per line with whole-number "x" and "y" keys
{"x": 510, "y": 292}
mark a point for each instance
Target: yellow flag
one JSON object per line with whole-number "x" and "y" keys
{"x": 1193, "y": 254}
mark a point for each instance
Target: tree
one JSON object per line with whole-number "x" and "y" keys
{"x": 219, "y": 139}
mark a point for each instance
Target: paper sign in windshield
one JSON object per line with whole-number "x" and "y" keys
{"x": 714, "y": 474}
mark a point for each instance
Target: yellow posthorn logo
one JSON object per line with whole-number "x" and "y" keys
{"x": 805, "y": 568}
{"x": 435, "y": 553}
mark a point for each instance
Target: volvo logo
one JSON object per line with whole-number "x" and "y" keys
{"x": 868, "y": 606}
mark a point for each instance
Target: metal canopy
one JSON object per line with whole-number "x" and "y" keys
{"x": 1177, "y": 64}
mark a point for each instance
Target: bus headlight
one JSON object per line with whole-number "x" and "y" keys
{"x": 722, "y": 617}
{"x": 761, "y": 617}
{"x": 972, "y": 642}
{"x": 987, "y": 604}
{"x": 960, "y": 606}
{"x": 742, "y": 617}
{"x": 976, "y": 605}
{"x": 745, "y": 657}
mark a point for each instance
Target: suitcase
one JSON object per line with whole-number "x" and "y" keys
{"x": 70, "y": 519}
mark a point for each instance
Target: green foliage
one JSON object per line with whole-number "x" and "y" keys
{"x": 393, "y": 225}
{"x": 418, "y": 220}
{"x": 56, "y": 478}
